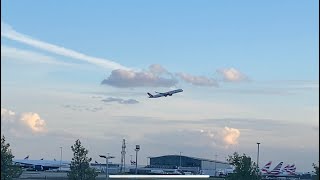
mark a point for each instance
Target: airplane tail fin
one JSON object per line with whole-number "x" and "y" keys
{"x": 150, "y": 95}
{"x": 266, "y": 167}
{"x": 276, "y": 170}
{"x": 285, "y": 169}
{"x": 293, "y": 168}
{"x": 290, "y": 169}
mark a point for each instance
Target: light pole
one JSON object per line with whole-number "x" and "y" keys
{"x": 215, "y": 165}
{"x": 137, "y": 149}
{"x": 180, "y": 161}
{"x": 107, "y": 166}
{"x": 258, "y": 155}
{"x": 60, "y": 157}
{"x": 147, "y": 161}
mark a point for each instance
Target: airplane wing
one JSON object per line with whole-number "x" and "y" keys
{"x": 266, "y": 167}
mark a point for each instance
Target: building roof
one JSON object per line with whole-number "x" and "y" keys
{"x": 200, "y": 159}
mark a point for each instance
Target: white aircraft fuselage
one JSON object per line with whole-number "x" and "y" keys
{"x": 165, "y": 94}
{"x": 45, "y": 164}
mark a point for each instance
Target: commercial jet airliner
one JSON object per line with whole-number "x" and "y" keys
{"x": 165, "y": 94}
{"x": 287, "y": 171}
{"x": 41, "y": 164}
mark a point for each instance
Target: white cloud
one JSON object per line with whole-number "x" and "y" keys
{"x": 231, "y": 135}
{"x": 222, "y": 137}
{"x": 19, "y": 54}
{"x": 8, "y": 32}
{"x": 155, "y": 76}
{"x": 33, "y": 121}
{"x": 7, "y": 115}
{"x": 6, "y": 112}
{"x": 129, "y": 78}
{"x": 157, "y": 69}
{"x": 83, "y": 108}
{"x": 232, "y": 75}
{"x": 18, "y": 124}
{"x": 197, "y": 80}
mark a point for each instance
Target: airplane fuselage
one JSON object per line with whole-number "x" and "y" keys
{"x": 45, "y": 164}
{"x": 165, "y": 94}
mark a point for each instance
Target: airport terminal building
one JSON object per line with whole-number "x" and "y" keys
{"x": 191, "y": 164}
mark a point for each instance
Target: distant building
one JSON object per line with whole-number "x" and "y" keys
{"x": 190, "y": 164}
{"x": 100, "y": 167}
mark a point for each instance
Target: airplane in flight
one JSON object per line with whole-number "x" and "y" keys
{"x": 165, "y": 94}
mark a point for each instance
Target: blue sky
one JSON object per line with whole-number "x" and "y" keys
{"x": 81, "y": 69}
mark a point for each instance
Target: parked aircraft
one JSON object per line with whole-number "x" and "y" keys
{"x": 287, "y": 171}
{"x": 276, "y": 170}
{"x": 41, "y": 164}
{"x": 265, "y": 169}
{"x": 165, "y": 94}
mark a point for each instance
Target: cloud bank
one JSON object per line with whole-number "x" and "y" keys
{"x": 158, "y": 76}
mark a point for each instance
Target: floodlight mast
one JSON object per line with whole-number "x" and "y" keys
{"x": 137, "y": 149}
{"x": 107, "y": 166}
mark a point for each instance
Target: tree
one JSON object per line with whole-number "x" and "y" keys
{"x": 245, "y": 169}
{"x": 79, "y": 168}
{"x": 8, "y": 170}
{"x": 316, "y": 170}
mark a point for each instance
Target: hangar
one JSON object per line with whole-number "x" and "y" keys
{"x": 191, "y": 164}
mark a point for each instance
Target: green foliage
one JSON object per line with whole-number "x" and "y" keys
{"x": 245, "y": 169}
{"x": 80, "y": 169}
{"x": 8, "y": 170}
{"x": 316, "y": 170}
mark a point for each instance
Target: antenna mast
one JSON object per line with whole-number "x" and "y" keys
{"x": 123, "y": 156}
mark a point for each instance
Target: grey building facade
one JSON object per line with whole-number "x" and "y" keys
{"x": 192, "y": 164}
